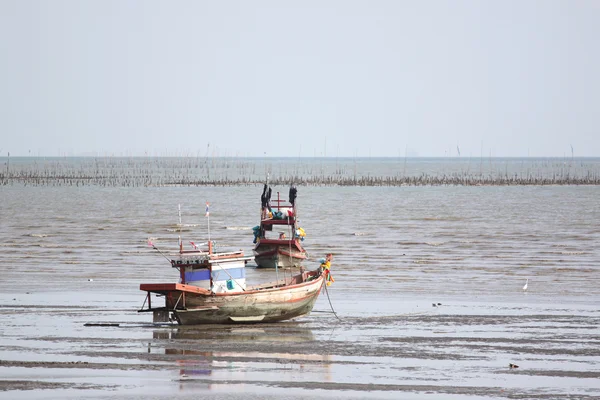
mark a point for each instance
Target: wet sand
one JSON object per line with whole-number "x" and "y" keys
{"x": 459, "y": 349}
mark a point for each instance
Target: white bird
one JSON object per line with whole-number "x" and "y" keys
{"x": 526, "y": 282}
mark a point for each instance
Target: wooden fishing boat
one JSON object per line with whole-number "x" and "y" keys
{"x": 212, "y": 289}
{"x": 278, "y": 237}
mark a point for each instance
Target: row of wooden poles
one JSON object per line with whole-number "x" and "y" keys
{"x": 197, "y": 171}
{"x": 134, "y": 180}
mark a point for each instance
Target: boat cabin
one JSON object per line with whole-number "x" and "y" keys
{"x": 216, "y": 272}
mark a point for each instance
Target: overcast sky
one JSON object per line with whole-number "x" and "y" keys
{"x": 304, "y": 78}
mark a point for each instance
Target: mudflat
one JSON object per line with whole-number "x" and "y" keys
{"x": 458, "y": 348}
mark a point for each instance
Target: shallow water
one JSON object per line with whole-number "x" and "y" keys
{"x": 72, "y": 255}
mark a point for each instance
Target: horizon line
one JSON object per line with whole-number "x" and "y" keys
{"x": 299, "y": 157}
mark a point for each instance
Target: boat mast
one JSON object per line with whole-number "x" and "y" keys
{"x": 276, "y": 263}
{"x": 210, "y": 247}
{"x": 180, "y": 242}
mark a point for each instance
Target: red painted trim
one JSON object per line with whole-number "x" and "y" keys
{"x": 287, "y": 221}
{"x": 281, "y": 251}
{"x": 280, "y": 243}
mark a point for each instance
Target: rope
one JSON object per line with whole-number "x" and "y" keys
{"x": 331, "y": 305}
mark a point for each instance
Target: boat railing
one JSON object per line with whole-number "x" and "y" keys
{"x": 281, "y": 203}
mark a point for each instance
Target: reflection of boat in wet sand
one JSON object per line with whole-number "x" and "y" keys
{"x": 212, "y": 290}
{"x": 282, "y": 248}
{"x": 255, "y": 345}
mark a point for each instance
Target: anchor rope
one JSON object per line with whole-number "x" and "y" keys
{"x": 330, "y": 305}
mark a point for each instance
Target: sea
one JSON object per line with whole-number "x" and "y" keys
{"x": 428, "y": 299}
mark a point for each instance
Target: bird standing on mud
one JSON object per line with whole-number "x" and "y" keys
{"x": 526, "y": 282}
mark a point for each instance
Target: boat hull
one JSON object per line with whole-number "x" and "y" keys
{"x": 252, "y": 306}
{"x": 272, "y": 256}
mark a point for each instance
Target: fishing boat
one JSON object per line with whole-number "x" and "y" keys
{"x": 278, "y": 237}
{"x": 212, "y": 289}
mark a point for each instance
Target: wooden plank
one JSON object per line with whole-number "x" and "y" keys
{"x": 256, "y": 318}
{"x": 164, "y": 288}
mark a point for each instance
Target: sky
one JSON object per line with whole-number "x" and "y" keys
{"x": 300, "y": 79}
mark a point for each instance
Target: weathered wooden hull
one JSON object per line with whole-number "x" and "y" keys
{"x": 251, "y": 306}
{"x": 260, "y": 306}
{"x": 271, "y": 256}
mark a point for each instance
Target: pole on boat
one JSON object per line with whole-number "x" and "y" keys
{"x": 157, "y": 249}
{"x": 208, "y": 222}
{"x": 180, "y": 242}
